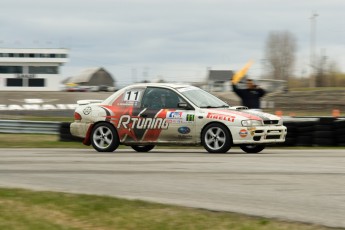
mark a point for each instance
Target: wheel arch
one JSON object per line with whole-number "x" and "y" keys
{"x": 215, "y": 122}
{"x": 87, "y": 139}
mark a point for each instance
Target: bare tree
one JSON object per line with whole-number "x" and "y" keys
{"x": 280, "y": 54}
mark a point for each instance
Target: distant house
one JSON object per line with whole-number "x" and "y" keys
{"x": 219, "y": 80}
{"x": 93, "y": 77}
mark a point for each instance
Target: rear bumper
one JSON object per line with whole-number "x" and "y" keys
{"x": 79, "y": 129}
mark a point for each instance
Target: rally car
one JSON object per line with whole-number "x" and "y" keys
{"x": 145, "y": 115}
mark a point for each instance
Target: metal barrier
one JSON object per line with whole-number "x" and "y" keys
{"x": 21, "y": 126}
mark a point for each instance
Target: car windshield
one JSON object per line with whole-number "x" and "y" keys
{"x": 202, "y": 98}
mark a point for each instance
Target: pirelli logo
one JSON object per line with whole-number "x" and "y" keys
{"x": 190, "y": 117}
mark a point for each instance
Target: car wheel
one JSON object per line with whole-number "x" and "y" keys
{"x": 216, "y": 138}
{"x": 104, "y": 137}
{"x": 142, "y": 148}
{"x": 252, "y": 148}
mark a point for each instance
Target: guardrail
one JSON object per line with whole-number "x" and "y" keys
{"x": 21, "y": 126}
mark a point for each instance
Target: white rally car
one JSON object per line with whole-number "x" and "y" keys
{"x": 145, "y": 115}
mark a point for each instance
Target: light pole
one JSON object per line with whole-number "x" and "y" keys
{"x": 312, "y": 48}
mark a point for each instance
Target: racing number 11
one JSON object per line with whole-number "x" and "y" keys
{"x": 132, "y": 95}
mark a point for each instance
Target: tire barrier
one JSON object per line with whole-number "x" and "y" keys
{"x": 323, "y": 131}
{"x": 65, "y": 133}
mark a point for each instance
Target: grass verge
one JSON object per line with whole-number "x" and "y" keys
{"x": 25, "y": 209}
{"x": 35, "y": 141}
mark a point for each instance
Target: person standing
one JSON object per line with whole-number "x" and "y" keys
{"x": 251, "y": 95}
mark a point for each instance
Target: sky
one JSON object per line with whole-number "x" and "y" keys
{"x": 173, "y": 40}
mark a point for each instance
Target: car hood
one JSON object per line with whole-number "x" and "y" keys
{"x": 243, "y": 113}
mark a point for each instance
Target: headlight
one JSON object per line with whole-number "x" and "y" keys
{"x": 248, "y": 123}
{"x": 280, "y": 122}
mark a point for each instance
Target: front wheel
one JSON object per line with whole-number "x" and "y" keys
{"x": 252, "y": 148}
{"x": 104, "y": 137}
{"x": 216, "y": 138}
{"x": 142, "y": 148}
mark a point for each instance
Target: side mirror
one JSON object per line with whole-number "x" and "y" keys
{"x": 183, "y": 105}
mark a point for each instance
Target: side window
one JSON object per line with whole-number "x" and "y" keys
{"x": 158, "y": 98}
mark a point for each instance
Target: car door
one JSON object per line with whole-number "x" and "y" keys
{"x": 162, "y": 120}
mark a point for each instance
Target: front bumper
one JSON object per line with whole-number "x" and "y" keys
{"x": 259, "y": 134}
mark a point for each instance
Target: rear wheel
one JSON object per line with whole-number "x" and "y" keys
{"x": 104, "y": 137}
{"x": 142, "y": 148}
{"x": 216, "y": 138}
{"x": 252, "y": 148}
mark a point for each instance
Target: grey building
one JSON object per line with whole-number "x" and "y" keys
{"x": 219, "y": 80}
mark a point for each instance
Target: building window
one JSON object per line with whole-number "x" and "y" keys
{"x": 36, "y": 82}
{"x": 11, "y": 69}
{"x": 33, "y": 55}
{"x": 14, "y": 82}
{"x": 43, "y": 70}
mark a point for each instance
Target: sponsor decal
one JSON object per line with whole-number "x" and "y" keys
{"x": 183, "y": 130}
{"x": 185, "y": 136}
{"x": 243, "y": 133}
{"x": 128, "y": 103}
{"x": 127, "y": 122}
{"x": 171, "y": 121}
{"x": 252, "y": 130}
{"x": 221, "y": 117}
{"x": 190, "y": 117}
{"x": 174, "y": 115}
{"x": 87, "y": 110}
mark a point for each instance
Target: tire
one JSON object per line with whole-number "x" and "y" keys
{"x": 104, "y": 137}
{"x": 323, "y": 134}
{"x": 216, "y": 138}
{"x": 142, "y": 148}
{"x": 252, "y": 148}
{"x": 339, "y": 124}
{"x": 323, "y": 128}
{"x": 324, "y": 142}
{"x": 304, "y": 141}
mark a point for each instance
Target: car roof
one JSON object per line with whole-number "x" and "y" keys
{"x": 166, "y": 85}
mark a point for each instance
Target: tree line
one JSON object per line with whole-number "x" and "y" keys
{"x": 280, "y": 59}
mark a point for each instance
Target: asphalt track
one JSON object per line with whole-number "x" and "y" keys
{"x": 297, "y": 185}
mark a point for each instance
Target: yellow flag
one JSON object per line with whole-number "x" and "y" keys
{"x": 240, "y": 74}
